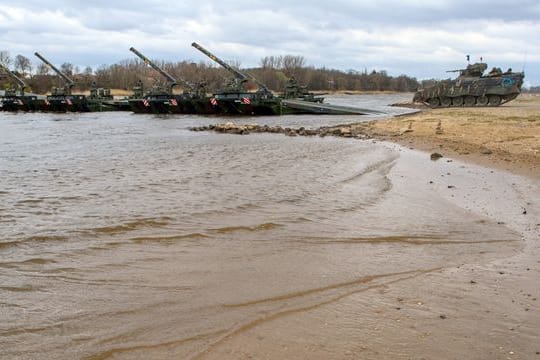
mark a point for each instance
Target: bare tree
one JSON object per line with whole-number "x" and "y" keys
{"x": 5, "y": 58}
{"x": 42, "y": 69}
{"x": 291, "y": 63}
{"x": 23, "y": 65}
{"x": 67, "y": 68}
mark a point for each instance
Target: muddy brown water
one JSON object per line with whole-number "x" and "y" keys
{"x": 125, "y": 236}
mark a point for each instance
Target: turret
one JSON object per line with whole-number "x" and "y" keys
{"x": 472, "y": 70}
{"x": 147, "y": 61}
{"x": 69, "y": 82}
{"x": 18, "y": 80}
{"x": 237, "y": 74}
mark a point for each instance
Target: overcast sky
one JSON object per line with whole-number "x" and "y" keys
{"x": 418, "y": 38}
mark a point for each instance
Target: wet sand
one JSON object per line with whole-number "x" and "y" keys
{"x": 455, "y": 313}
{"x": 472, "y": 310}
{"x": 477, "y": 310}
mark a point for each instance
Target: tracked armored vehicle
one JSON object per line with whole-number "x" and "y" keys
{"x": 235, "y": 99}
{"x": 162, "y": 100}
{"x": 15, "y": 99}
{"x": 61, "y": 98}
{"x": 473, "y": 88}
{"x": 294, "y": 91}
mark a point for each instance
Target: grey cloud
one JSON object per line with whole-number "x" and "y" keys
{"x": 418, "y": 37}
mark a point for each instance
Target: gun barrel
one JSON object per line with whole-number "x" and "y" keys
{"x": 147, "y": 61}
{"x": 235, "y": 72}
{"x": 17, "y": 79}
{"x": 61, "y": 74}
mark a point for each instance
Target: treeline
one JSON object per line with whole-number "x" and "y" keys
{"x": 532, "y": 90}
{"x": 274, "y": 72}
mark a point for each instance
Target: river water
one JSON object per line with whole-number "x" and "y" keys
{"x": 129, "y": 236}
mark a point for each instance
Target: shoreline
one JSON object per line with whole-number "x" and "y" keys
{"x": 481, "y": 308}
{"x": 476, "y": 309}
{"x": 505, "y": 138}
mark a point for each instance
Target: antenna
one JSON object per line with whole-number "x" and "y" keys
{"x": 524, "y": 62}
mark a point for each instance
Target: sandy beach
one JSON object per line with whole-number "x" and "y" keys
{"x": 505, "y": 137}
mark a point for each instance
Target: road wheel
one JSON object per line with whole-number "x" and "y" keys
{"x": 469, "y": 101}
{"x": 434, "y": 102}
{"x": 446, "y": 101}
{"x": 494, "y": 100}
{"x": 482, "y": 100}
{"x": 457, "y": 101}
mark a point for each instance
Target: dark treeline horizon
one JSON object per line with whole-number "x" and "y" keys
{"x": 274, "y": 72}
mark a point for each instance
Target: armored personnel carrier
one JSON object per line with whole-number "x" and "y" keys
{"x": 473, "y": 88}
{"x": 101, "y": 99}
{"x": 294, "y": 91}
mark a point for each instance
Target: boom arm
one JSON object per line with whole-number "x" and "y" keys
{"x": 69, "y": 82}
{"x": 235, "y": 72}
{"x": 154, "y": 66}
{"x": 18, "y": 80}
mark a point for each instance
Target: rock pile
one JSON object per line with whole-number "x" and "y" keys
{"x": 231, "y": 128}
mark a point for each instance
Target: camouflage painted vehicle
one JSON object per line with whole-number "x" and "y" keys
{"x": 294, "y": 91}
{"x": 15, "y": 99}
{"x": 235, "y": 99}
{"x": 473, "y": 88}
{"x": 162, "y": 100}
{"x": 101, "y": 99}
{"x": 61, "y": 98}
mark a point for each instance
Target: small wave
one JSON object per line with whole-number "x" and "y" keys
{"x": 38, "y": 261}
{"x": 45, "y": 238}
{"x": 22, "y": 288}
{"x": 259, "y": 227}
{"x": 411, "y": 240}
{"x": 132, "y": 225}
{"x": 169, "y": 238}
{"x": 35, "y": 238}
{"x": 382, "y": 166}
{"x": 29, "y": 201}
{"x": 33, "y": 261}
{"x": 7, "y": 244}
{"x": 299, "y": 220}
{"x": 69, "y": 198}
